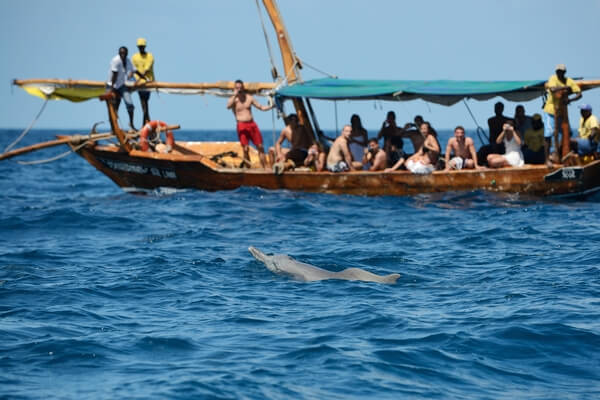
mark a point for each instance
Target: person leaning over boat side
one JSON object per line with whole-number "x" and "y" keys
{"x": 512, "y": 156}
{"x": 121, "y": 69}
{"x": 339, "y": 158}
{"x": 150, "y": 137}
{"x": 589, "y": 133}
{"x": 358, "y": 139}
{"x": 375, "y": 156}
{"x": 316, "y": 158}
{"x": 144, "y": 70}
{"x": 556, "y": 85}
{"x": 463, "y": 149}
{"x": 533, "y": 142}
{"x": 300, "y": 140}
{"x": 241, "y": 104}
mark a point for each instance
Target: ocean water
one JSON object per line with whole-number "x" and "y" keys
{"x": 105, "y": 294}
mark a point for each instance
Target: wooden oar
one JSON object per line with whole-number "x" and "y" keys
{"x": 73, "y": 139}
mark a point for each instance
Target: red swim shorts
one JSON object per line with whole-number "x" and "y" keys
{"x": 248, "y": 130}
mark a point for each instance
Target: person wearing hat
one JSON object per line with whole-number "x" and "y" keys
{"x": 558, "y": 83}
{"x": 589, "y": 132}
{"x": 144, "y": 71}
{"x": 534, "y": 149}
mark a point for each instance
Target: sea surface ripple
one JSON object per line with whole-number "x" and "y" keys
{"x": 105, "y": 294}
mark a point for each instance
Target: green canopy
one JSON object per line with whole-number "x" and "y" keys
{"x": 445, "y": 92}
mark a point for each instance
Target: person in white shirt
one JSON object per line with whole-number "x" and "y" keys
{"x": 121, "y": 69}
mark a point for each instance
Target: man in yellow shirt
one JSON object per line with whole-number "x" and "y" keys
{"x": 144, "y": 71}
{"x": 589, "y": 132}
{"x": 558, "y": 83}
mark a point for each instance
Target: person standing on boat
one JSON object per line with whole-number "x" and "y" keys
{"x": 512, "y": 157}
{"x": 144, "y": 70}
{"x": 121, "y": 69}
{"x": 241, "y": 104}
{"x": 555, "y": 87}
{"x": 463, "y": 148}
{"x": 358, "y": 139}
{"x": 339, "y": 158}
{"x": 522, "y": 120}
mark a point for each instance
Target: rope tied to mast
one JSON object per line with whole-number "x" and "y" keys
{"x": 480, "y": 131}
{"x": 274, "y": 72}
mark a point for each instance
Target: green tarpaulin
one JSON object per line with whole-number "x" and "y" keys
{"x": 444, "y": 92}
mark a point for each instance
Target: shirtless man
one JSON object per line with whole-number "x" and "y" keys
{"x": 375, "y": 156}
{"x": 241, "y": 104}
{"x": 300, "y": 141}
{"x": 339, "y": 158}
{"x": 463, "y": 148}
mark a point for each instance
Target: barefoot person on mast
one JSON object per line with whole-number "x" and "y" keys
{"x": 241, "y": 104}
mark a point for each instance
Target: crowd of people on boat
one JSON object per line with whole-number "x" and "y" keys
{"x": 513, "y": 142}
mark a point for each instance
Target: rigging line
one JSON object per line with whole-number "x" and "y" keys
{"x": 269, "y": 49}
{"x": 317, "y": 69}
{"x": 480, "y": 131}
{"x": 336, "y": 116}
{"x": 47, "y": 160}
{"x": 22, "y": 135}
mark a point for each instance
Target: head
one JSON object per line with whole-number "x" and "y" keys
{"x": 459, "y": 133}
{"x": 373, "y": 145}
{"x": 498, "y": 108}
{"x": 141, "y": 45}
{"x": 418, "y": 120}
{"x": 239, "y": 85}
{"x": 537, "y": 122}
{"x": 355, "y": 120}
{"x": 508, "y": 126}
{"x": 391, "y": 117}
{"x": 519, "y": 111}
{"x": 425, "y": 128}
{"x": 586, "y": 110}
{"x": 292, "y": 120}
{"x": 123, "y": 52}
{"x": 561, "y": 70}
{"x": 346, "y": 131}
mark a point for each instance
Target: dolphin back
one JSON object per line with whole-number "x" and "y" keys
{"x": 358, "y": 274}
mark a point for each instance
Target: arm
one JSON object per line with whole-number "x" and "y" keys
{"x": 347, "y": 156}
{"x": 517, "y": 137}
{"x": 471, "y": 147}
{"x": 256, "y": 104}
{"x": 395, "y": 166}
{"x": 279, "y": 142}
{"x": 231, "y": 100}
{"x": 113, "y": 79}
{"x": 448, "y": 151}
{"x": 500, "y": 137}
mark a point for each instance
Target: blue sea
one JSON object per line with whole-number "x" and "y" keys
{"x": 105, "y": 294}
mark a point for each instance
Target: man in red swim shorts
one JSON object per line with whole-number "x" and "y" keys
{"x": 241, "y": 104}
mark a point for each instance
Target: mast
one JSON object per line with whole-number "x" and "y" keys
{"x": 291, "y": 64}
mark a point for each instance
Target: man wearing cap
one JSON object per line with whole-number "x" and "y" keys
{"x": 589, "y": 132}
{"x": 534, "y": 149}
{"x": 558, "y": 83}
{"x": 121, "y": 70}
{"x": 144, "y": 71}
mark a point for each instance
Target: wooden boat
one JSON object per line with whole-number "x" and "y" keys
{"x": 216, "y": 165}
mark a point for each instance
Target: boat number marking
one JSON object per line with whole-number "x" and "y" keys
{"x": 568, "y": 173}
{"x": 139, "y": 169}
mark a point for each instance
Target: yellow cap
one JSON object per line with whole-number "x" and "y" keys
{"x": 141, "y": 42}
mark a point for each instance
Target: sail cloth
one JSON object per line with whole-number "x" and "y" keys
{"x": 82, "y": 90}
{"x": 444, "y": 92}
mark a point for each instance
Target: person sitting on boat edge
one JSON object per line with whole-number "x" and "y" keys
{"x": 339, "y": 158}
{"x": 558, "y": 88}
{"x": 150, "y": 137}
{"x": 359, "y": 138}
{"x": 316, "y": 158}
{"x": 512, "y": 157}
{"x": 424, "y": 161}
{"x": 121, "y": 69}
{"x": 535, "y": 150}
{"x": 241, "y": 104}
{"x": 375, "y": 157}
{"x": 589, "y": 134}
{"x": 300, "y": 141}
{"x": 495, "y": 125}
{"x": 463, "y": 149}
{"x": 143, "y": 62}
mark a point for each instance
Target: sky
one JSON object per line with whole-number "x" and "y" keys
{"x": 212, "y": 40}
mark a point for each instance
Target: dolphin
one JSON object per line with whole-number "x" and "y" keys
{"x": 286, "y": 265}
